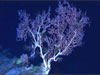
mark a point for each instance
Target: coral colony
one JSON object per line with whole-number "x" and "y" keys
{"x": 53, "y": 37}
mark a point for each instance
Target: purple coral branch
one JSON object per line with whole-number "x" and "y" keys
{"x": 61, "y": 33}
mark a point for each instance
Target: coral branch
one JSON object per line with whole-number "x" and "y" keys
{"x": 54, "y": 36}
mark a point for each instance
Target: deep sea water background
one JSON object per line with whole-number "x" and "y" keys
{"x": 83, "y": 60}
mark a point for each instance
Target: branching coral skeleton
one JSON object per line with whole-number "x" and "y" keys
{"x": 61, "y": 33}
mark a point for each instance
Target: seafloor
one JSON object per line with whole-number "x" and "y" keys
{"x": 8, "y": 65}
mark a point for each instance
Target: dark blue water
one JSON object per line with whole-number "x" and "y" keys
{"x": 83, "y": 60}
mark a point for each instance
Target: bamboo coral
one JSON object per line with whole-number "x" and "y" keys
{"x": 54, "y": 36}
